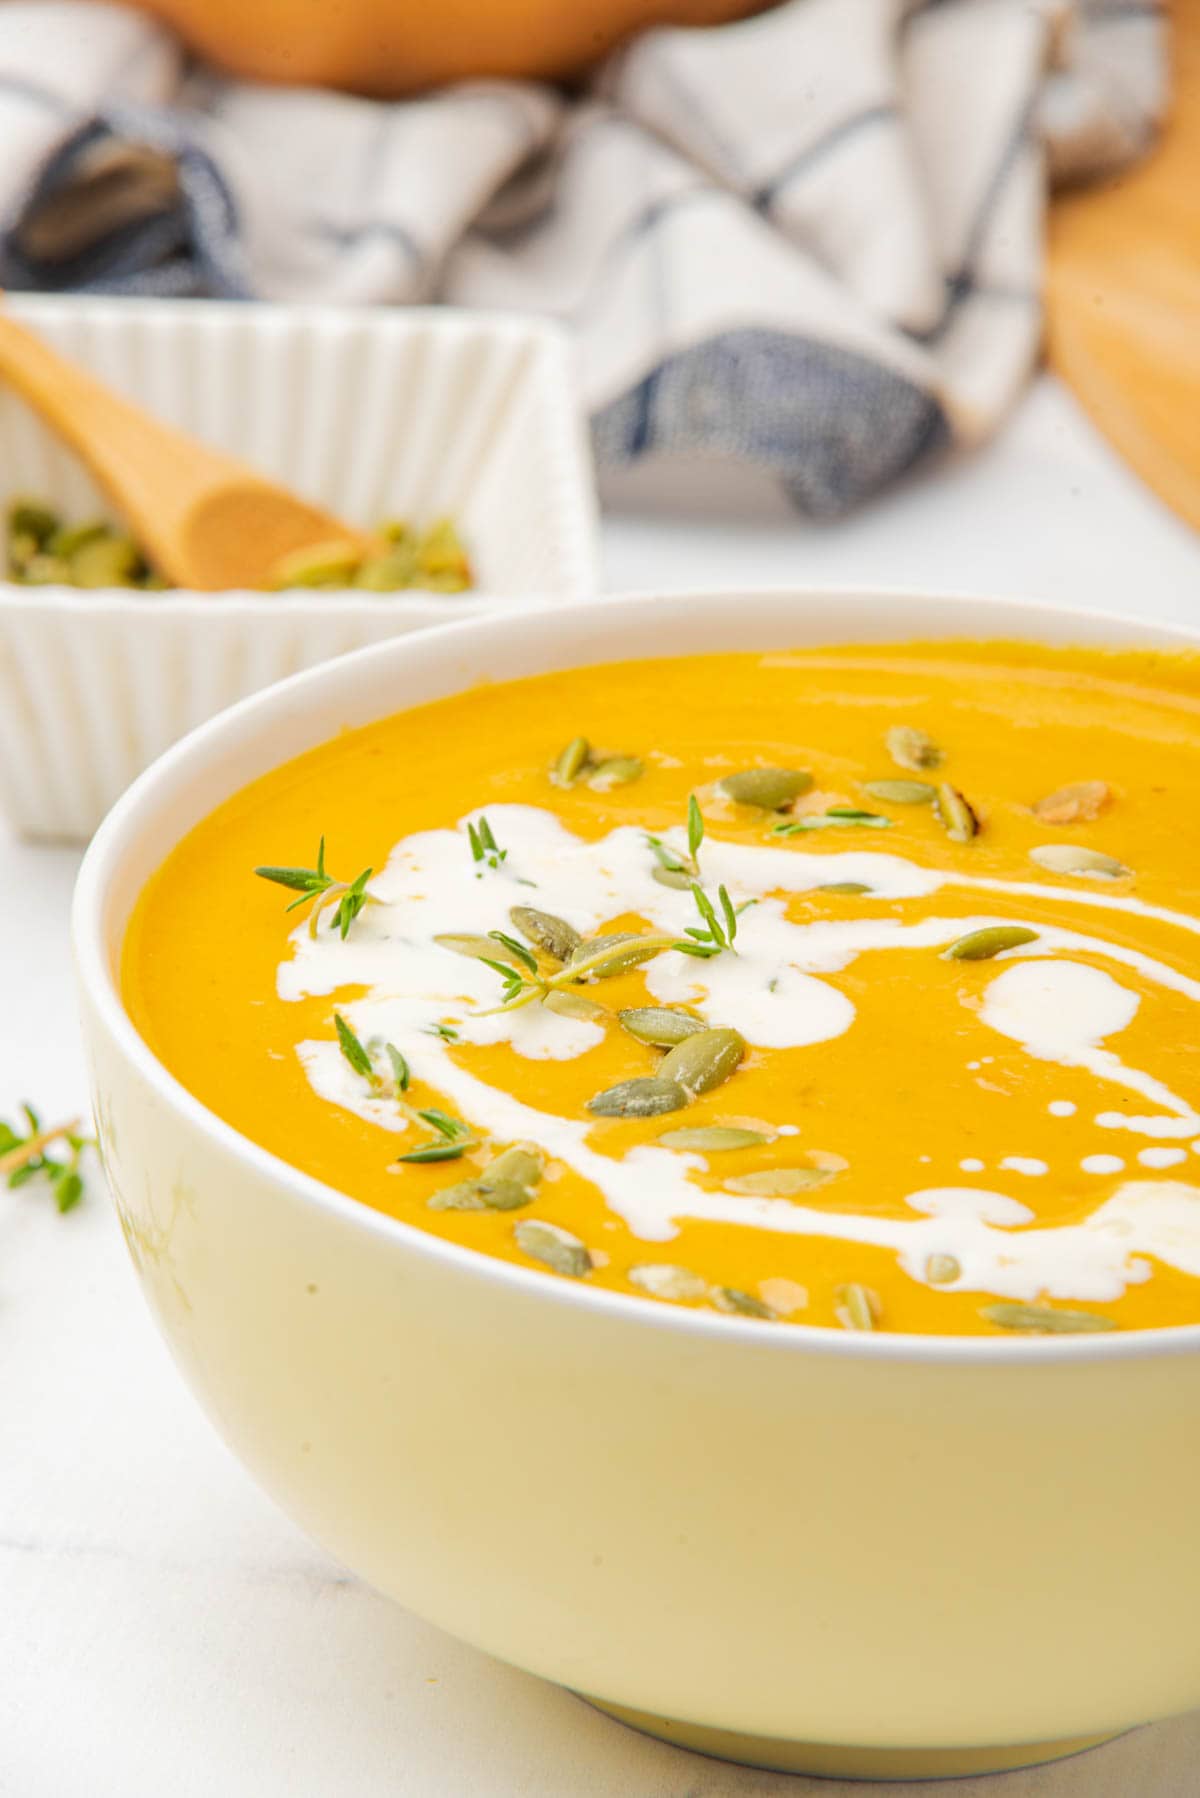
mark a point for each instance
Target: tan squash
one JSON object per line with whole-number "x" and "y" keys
{"x": 392, "y": 47}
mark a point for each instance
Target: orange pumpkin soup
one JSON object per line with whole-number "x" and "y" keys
{"x": 853, "y": 987}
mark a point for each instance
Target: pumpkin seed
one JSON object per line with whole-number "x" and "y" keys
{"x": 553, "y": 1247}
{"x": 481, "y": 1195}
{"x": 857, "y": 1307}
{"x": 769, "y": 788}
{"x": 912, "y": 748}
{"x": 941, "y": 1270}
{"x": 45, "y": 571}
{"x": 1073, "y": 858}
{"x": 570, "y": 762}
{"x": 1045, "y": 1320}
{"x": 332, "y": 564}
{"x": 615, "y": 771}
{"x": 994, "y": 939}
{"x": 1080, "y": 803}
{"x": 956, "y": 814}
{"x": 659, "y": 1026}
{"x": 783, "y": 1296}
{"x": 679, "y": 878}
{"x": 569, "y": 1004}
{"x": 625, "y": 954}
{"x": 779, "y": 1182}
{"x": 713, "y": 1139}
{"x": 735, "y": 1302}
{"x": 901, "y": 792}
{"x": 545, "y": 931}
{"x": 398, "y": 567}
{"x": 663, "y": 1281}
{"x": 108, "y": 561}
{"x": 848, "y": 887}
{"x": 704, "y": 1060}
{"x": 477, "y": 948}
{"x": 644, "y": 1097}
{"x": 32, "y": 518}
{"x": 522, "y": 1163}
{"x": 71, "y": 537}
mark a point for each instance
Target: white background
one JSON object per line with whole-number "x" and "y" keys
{"x": 164, "y": 1631}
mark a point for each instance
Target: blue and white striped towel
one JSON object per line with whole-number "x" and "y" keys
{"x": 809, "y": 243}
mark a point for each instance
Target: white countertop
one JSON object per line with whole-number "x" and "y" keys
{"x": 164, "y": 1631}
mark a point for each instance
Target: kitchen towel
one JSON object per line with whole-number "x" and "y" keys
{"x": 808, "y": 244}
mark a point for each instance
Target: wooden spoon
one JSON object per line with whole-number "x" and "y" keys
{"x": 204, "y": 519}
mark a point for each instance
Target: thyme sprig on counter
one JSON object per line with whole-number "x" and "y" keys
{"x": 451, "y": 1137}
{"x": 317, "y": 883}
{"x": 23, "y": 1156}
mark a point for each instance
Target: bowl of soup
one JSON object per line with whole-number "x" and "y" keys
{"x": 665, "y": 1134}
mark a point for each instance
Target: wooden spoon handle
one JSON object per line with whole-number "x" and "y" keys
{"x": 146, "y": 468}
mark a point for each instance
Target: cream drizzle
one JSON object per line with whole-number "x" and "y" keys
{"x": 772, "y": 991}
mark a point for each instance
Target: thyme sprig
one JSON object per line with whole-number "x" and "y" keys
{"x": 671, "y": 860}
{"x": 451, "y": 1137}
{"x": 317, "y": 883}
{"x": 484, "y": 847}
{"x": 718, "y": 934}
{"x": 23, "y": 1156}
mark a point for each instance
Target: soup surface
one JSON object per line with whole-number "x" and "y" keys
{"x": 899, "y": 1030}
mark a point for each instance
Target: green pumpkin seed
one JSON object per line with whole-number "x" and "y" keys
{"x": 736, "y": 1303}
{"x": 645, "y": 1097}
{"x": 958, "y": 817}
{"x": 1073, "y": 858}
{"x": 45, "y": 571}
{"x": 768, "y": 788}
{"x": 678, "y": 878}
{"x": 659, "y": 1026}
{"x": 713, "y": 1139}
{"x": 856, "y": 1307}
{"x": 476, "y": 948}
{"x": 901, "y": 792}
{"x": 847, "y": 887}
{"x": 545, "y": 931}
{"x": 570, "y": 762}
{"x": 779, "y": 1182}
{"x": 553, "y": 1247}
{"x": 522, "y": 1163}
{"x": 994, "y": 939}
{"x": 323, "y": 565}
{"x": 1045, "y": 1320}
{"x": 626, "y": 954}
{"x": 570, "y": 1004}
{"x": 32, "y": 518}
{"x": 615, "y": 771}
{"x": 69, "y": 538}
{"x": 663, "y": 1281}
{"x": 703, "y": 1061}
{"x": 398, "y": 567}
{"x": 481, "y": 1195}
{"x": 911, "y": 748}
{"x": 942, "y": 1270}
{"x": 108, "y": 561}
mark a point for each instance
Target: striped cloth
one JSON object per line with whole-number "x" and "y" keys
{"x": 808, "y": 244}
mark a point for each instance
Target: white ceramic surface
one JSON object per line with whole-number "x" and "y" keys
{"x": 890, "y": 1545}
{"x": 378, "y": 413}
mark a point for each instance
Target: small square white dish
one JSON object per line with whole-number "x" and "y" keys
{"x": 374, "y": 413}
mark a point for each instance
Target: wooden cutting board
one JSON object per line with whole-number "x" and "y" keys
{"x": 1123, "y": 299}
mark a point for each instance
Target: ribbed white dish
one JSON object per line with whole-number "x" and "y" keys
{"x": 373, "y": 413}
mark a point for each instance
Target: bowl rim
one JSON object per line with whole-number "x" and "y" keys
{"x": 98, "y": 980}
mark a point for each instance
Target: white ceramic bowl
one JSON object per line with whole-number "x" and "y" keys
{"x": 872, "y": 1554}
{"x": 375, "y": 413}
